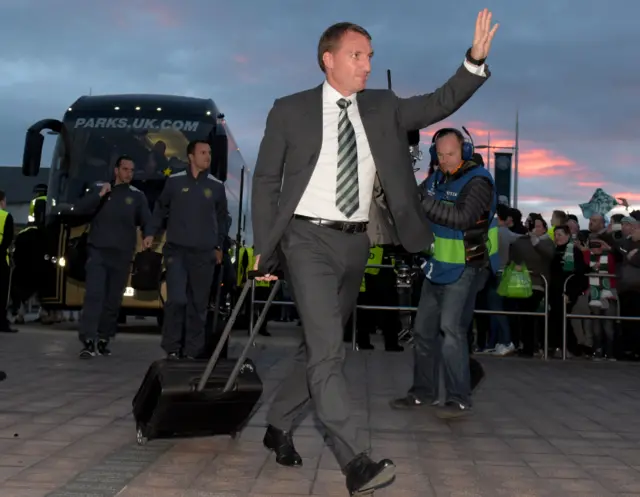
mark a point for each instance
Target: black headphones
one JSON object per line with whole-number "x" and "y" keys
{"x": 467, "y": 145}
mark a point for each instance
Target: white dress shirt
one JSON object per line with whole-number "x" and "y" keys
{"x": 319, "y": 198}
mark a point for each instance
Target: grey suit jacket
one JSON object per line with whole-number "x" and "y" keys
{"x": 291, "y": 145}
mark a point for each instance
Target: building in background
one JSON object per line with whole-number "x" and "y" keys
{"x": 19, "y": 190}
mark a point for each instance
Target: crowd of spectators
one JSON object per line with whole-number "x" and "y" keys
{"x": 592, "y": 271}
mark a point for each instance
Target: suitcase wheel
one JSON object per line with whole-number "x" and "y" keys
{"x": 141, "y": 436}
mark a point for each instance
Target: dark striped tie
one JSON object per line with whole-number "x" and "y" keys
{"x": 347, "y": 196}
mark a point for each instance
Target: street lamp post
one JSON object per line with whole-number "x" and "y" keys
{"x": 515, "y": 148}
{"x": 489, "y": 148}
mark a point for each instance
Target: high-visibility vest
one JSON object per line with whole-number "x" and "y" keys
{"x": 243, "y": 264}
{"x": 32, "y": 206}
{"x": 448, "y": 257}
{"x": 3, "y": 221}
{"x": 375, "y": 259}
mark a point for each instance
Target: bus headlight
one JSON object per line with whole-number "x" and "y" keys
{"x": 129, "y": 292}
{"x": 62, "y": 262}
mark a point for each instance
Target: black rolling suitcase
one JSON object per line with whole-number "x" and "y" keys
{"x": 182, "y": 398}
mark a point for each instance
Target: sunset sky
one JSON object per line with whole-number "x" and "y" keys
{"x": 567, "y": 65}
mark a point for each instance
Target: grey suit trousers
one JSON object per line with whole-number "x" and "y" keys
{"x": 324, "y": 268}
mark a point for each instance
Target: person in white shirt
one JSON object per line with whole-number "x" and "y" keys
{"x": 334, "y": 176}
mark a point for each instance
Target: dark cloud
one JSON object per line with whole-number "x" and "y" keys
{"x": 568, "y": 66}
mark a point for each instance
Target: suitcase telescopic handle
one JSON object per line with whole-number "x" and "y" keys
{"x": 227, "y": 331}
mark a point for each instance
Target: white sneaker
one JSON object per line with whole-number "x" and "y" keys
{"x": 503, "y": 350}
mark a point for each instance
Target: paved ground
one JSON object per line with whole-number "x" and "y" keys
{"x": 541, "y": 429}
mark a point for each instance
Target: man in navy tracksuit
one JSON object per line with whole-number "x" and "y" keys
{"x": 116, "y": 210}
{"x": 194, "y": 203}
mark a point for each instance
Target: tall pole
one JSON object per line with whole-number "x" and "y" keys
{"x": 515, "y": 163}
{"x": 489, "y": 152}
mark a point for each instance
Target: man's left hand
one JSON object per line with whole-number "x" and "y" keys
{"x": 218, "y": 256}
{"x": 483, "y": 36}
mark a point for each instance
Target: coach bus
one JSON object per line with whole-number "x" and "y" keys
{"x": 154, "y": 131}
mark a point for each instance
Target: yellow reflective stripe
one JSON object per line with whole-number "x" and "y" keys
{"x": 449, "y": 250}
{"x": 3, "y": 219}
{"x": 363, "y": 286}
{"x": 375, "y": 258}
{"x": 493, "y": 241}
{"x": 32, "y": 206}
{"x": 240, "y": 275}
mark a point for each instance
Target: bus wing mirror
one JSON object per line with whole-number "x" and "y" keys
{"x": 33, "y": 145}
{"x": 32, "y": 153}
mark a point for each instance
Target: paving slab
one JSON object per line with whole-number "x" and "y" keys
{"x": 539, "y": 428}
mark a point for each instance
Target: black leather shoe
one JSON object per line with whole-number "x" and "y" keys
{"x": 281, "y": 442}
{"x": 364, "y": 475}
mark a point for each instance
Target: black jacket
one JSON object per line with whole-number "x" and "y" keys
{"x": 116, "y": 217}
{"x": 195, "y": 209}
{"x": 473, "y": 202}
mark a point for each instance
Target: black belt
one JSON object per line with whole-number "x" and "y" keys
{"x": 344, "y": 226}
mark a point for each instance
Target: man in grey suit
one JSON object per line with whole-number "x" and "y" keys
{"x": 334, "y": 176}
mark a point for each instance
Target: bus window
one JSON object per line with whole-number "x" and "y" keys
{"x": 156, "y": 153}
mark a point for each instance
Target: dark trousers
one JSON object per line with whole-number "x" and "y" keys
{"x": 525, "y": 328}
{"x": 440, "y": 334}
{"x": 556, "y": 308}
{"x": 324, "y": 268}
{"x": 383, "y": 293}
{"x": 24, "y": 285}
{"x": 189, "y": 279}
{"x": 483, "y": 321}
{"x": 630, "y": 307}
{"x": 107, "y": 275}
{"x": 5, "y": 276}
{"x": 363, "y": 331}
{"x": 380, "y": 291}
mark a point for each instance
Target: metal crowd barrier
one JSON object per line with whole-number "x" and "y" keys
{"x": 566, "y": 315}
{"x": 354, "y": 346}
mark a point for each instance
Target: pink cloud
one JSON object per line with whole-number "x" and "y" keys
{"x": 591, "y": 184}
